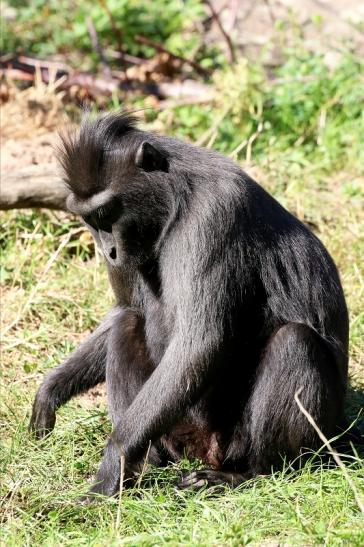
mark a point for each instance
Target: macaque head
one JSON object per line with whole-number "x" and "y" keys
{"x": 118, "y": 178}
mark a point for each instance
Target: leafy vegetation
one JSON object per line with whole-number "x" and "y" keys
{"x": 300, "y": 132}
{"x": 47, "y": 27}
{"x": 305, "y": 111}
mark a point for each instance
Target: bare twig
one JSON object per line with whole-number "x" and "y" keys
{"x": 96, "y": 45}
{"x": 121, "y": 488}
{"x": 144, "y": 468}
{"x": 126, "y": 57}
{"x": 16, "y": 74}
{"x": 170, "y": 103}
{"x": 250, "y": 142}
{"x": 238, "y": 149}
{"x": 117, "y": 33}
{"x": 55, "y": 65}
{"x": 229, "y": 42}
{"x": 115, "y": 28}
{"x": 159, "y": 47}
{"x": 24, "y": 68}
{"x": 206, "y": 137}
{"x": 332, "y": 451}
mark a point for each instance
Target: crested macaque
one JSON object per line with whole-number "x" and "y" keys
{"x": 226, "y": 305}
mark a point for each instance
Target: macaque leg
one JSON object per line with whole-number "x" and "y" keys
{"x": 83, "y": 369}
{"x": 128, "y": 367}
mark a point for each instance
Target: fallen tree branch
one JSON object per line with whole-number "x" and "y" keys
{"x": 96, "y": 45}
{"x": 159, "y": 47}
{"x": 98, "y": 85}
{"x": 114, "y": 26}
{"x": 188, "y": 101}
{"x": 228, "y": 40}
{"x": 28, "y": 67}
{"x": 32, "y": 187}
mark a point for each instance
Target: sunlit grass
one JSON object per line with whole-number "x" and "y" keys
{"x": 55, "y": 291}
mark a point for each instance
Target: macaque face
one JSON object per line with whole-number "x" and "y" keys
{"x": 121, "y": 217}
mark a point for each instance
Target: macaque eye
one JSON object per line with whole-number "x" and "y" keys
{"x": 111, "y": 212}
{"x": 104, "y": 217}
{"x": 91, "y": 220}
{"x": 105, "y": 225}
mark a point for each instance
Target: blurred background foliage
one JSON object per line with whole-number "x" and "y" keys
{"x": 300, "y": 105}
{"x": 58, "y": 26}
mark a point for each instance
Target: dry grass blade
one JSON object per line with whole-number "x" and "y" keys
{"x": 247, "y": 142}
{"x": 206, "y": 137}
{"x": 35, "y": 289}
{"x": 333, "y": 452}
{"x": 144, "y": 468}
{"x": 121, "y": 488}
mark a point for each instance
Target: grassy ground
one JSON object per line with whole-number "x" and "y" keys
{"x": 55, "y": 291}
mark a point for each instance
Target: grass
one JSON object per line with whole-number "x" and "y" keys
{"x": 55, "y": 291}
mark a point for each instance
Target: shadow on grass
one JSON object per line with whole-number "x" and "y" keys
{"x": 355, "y": 406}
{"x": 355, "y": 416}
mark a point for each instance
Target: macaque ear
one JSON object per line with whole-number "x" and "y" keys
{"x": 150, "y": 158}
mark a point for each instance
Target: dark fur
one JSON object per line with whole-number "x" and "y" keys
{"x": 226, "y": 306}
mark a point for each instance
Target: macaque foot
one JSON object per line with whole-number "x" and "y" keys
{"x": 43, "y": 417}
{"x": 107, "y": 482}
{"x": 209, "y": 477}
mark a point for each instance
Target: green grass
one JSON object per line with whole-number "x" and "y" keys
{"x": 314, "y": 506}
{"x": 55, "y": 291}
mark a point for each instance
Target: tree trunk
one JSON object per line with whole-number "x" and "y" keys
{"x": 35, "y": 186}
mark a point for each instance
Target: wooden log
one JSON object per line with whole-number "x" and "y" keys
{"x": 32, "y": 187}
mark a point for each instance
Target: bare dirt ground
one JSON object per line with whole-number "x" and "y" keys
{"x": 323, "y": 24}
{"x": 19, "y": 153}
{"x": 29, "y": 122}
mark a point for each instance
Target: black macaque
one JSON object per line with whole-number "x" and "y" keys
{"x": 226, "y": 306}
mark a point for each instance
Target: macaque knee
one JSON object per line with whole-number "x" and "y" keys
{"x": 295, "y": 363}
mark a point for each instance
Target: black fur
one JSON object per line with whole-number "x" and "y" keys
{"x": 226, "y": 306}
